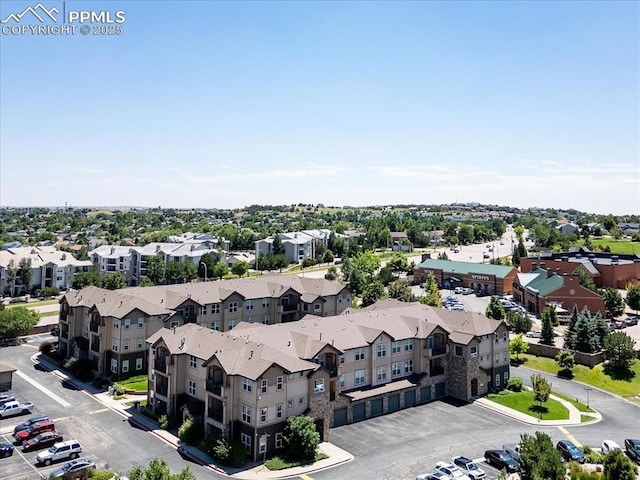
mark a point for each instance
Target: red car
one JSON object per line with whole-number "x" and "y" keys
{"x": 43, "y": 440}
{"x": 34, "y": 430}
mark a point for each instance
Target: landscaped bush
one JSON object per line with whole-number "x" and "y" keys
{"x": 590, "y": 456}
{"x": 232, "y": 454}
{"x": 118, "y": 390}
{"x": 163, "y": 422}
{"x": 47, "y": 292}
{"x": 515, "y": 384}
{"x": 576, "y": 472}
{"x": 46, "y": 347}
{"x": 190, "y": 432}
{"x": 300, "y": 438}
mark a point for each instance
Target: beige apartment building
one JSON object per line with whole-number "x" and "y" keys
{"x": 111, "y": 327}
{"x": 337, "y": 369}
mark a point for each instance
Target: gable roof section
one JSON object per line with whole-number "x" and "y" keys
{"x": 500, "y": 271}
{"x": 544, "y": 285}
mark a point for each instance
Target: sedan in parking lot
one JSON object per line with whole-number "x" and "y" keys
{"x": 6, "y": 449}
{"x": 437, "y": 475}
{"x": 609, "y": 446}
{"x": 501, "y": 460}
{"x": 451, "y": 470}
{"x": 44, "y": 440}
{"x": 570, "y": 452}
{"x": 632, "y": 447}
{"x": 72, "y": 468}
{"x": 631, "y": 320}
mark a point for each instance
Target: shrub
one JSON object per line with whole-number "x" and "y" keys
{"x": 163, "y": 422}
{"x": 590, "y": 456}
{"x": 190, "y": 432}
{"x": 47, "y": 292}
{"x": 118, "y": 389}
{"x": 229, "y": 453}
{"x": 515, "y": 384}
{"x": 46, "y": 347}
{"x": 301, "y": 438}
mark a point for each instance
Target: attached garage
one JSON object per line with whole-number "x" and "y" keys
{"x": 359, "y": 411}
{"x": 376, "y": 407}
{"x": 425, "y": 394}
{"x": 393, "y": 402}
{"x": 410, "y": 398}
{"x": 340, "y": 416}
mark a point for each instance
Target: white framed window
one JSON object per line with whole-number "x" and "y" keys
{"x": 115, "y": 345}
{"x": 247, "y": 385}
{"x": 215, "y": 326}
{"x": 343, "y": 380}
{"x": 246, "y": 413}
{"x": 497, "y": 380}
{"x": 505, "y": 357}
{"x": 317, "y": 307}
{"x": 497, "y": 358}
{"x": 359, "y": 353}
{"x": 359, "y": 377}
{"x": 290, "y": 404}
{"x": 248, "y": 304}
{"x": 395, "y": 347}
{"x": 381, "y": 350}
{"x": 85, "y": 331}
{"x": 174, "y": 324}
{"x": 116, "y": 324}
{"x": 318, "y": 385}
{"x": 342, "y": 359}
{"x": 203, "y": 309}
{"x": 262, "y": 446}
{"x": 266, "y": 302}
{"x": 233, "y": 307}
{"x": 139, "y": 342}
{"x": 264, "y": 386}
{"x": 301, "y": 401}
{"x": 233, "y": 323}
{"x": 139, "y": 362}
{"x": 408, "y": 345}
{"x": 125, "y": 366}
{"x": 246, "y": 441}
{"x": 279, "y": 409}
{"x": 141, "y": 322}
{"x": 381, "y": 373}
{"x": 340, "y": 298}
{"x": 266, "y": 319}
{"x": 505, "y": 377}
{"x": 279, "y": 442}
{"x": 473, "y": 351}
{"x": 497, "y": 337}
{"x": 127, "y": 323}
{"x": 215, "y": 308}
{"x": 114, "y": 365}
{"x": 408, "y": 366}
{"x": 279, "y": 383}
{"x": 125, "y": 344}
{"x": 264, "y": 413}
{"x": 192, "y": 388}
{"x": 192, "y": 361}
{"x": 396, "y": 369}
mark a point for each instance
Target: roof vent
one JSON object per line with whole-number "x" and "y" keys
{"x": 251, "y": 355}
{"x": 181, "y": 344}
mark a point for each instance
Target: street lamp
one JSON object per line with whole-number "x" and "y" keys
{"x": 205, "y": 270}
{"x": 588, "y": 389}
{"x": 451, "y": 283}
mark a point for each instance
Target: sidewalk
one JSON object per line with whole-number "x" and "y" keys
{"x": 124, "y": 407}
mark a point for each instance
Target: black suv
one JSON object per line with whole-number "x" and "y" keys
{"x": 632, "y": 447}
{"x": 570, "y": 452}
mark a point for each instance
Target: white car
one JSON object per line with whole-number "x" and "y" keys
{"x": 534, "y": 334}
{"x": 469, "y": 467}
{"x": 450, "y": 469}
{"x": 609, "y": 446}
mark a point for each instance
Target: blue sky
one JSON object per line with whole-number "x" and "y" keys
{"x": 226, "y": 104}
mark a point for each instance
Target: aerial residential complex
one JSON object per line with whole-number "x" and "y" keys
{"x": 298, "y": 246}
{"x": 337, "y": 369}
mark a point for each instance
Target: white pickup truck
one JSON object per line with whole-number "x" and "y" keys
{"x": 513, "y": 451}
{"x": 15, "y": 408}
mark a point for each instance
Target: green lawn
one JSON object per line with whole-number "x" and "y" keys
{"x": 579, "y": 405}
{"x": 616, "y": 246}
{"x": 278, "y": 463}
{"x": 49, "y": 314}
{"x": 525, "y": 402}
{"x": 33, "y": 304}
{"x": 138, "y": 383}
{"x": 595, "y": 377}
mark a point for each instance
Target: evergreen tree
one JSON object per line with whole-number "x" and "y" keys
{"x": 570, "y": 333}
{"x": 619, "y": 350}
{"x": 539, "y": 459}
{"x": 549, "y": 319}
{"x": 276, "y": 247}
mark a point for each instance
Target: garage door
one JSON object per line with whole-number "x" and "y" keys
{"x": 410, "y": 398}
{"x": 376, "y": 407}
{"x": 359, "y": 410}
{"x": 393, "y": 403}
{"x": 339, "y": 417}
{"x": 425, "y": 394}
{"x": 440, "y": 389}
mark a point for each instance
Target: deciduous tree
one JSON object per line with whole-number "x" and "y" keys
{"x": 300, "y": 438}
{"x": 240, "y": 268}
{"x": 565, "y": 361}
{"x": 613, "y": 303}
{"x": 431, "y": 293}
{"x": 495, "y": 309}
{"x": 114, "y": 281}
{"x": 539, "y": 459}
{"x": 373, "y": 292}
{"x": 617, "y": 466}
{"x": 518, "y": 346}
{"x": 401, "y": 291}
{"x": 220, "y": 269}
{"x": 16, "y": 321}
{"x": 633, "y": 296}
{"x": 156, "y": 269}
{"x": 518, "y": 321}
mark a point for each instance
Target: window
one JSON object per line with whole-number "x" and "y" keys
{"x": 249, "y": 319}
{"x": 262, "y": 446}
{"x": 279, "y": 383}
{"x": 192, "y": 388}
{"x": 85, "y": 331}
{"x": 246, "y": 441}
{"x": 192, "y": 361}
{"x": 458, "y": 351}
{"x": 396, "y": 369}
{"x": 139, "y": 343}
{"x": 233, "y": 323}
{"x": 381, "y": 350}
{"x": 505, "y": 376}
{"x": 395, "y": 347}
{"x": 138, "y": 363}
{"x": 215, "y": 326}
{"x": 301, "y": 401}
{"x": 115, "y": 344}
{"x": 127, "y": 323}
{"x": 175, "y": 324}
{"x": 505, "y": 357}
{"x": 263, "y": 414}
{"x": 340, "y": 298}
{"x": 247, "y": 385}
{"x": 290, "y": 404}
{"x": 496, "y": 335}
{"x": 359, "y": 353}
{"x": 203, "y": 310}
{"x": 125, "y": 344}
{"x": 279, "y": 440}
{"x": 266, "y": 303}
{"x": 408, "y": 345}
{"x": 141, "y": 322}
{"x": 343, "y": 380}
{"x": 246, "y": 413}
{"x": 215, "y": 308}
{"x": 497, "y": 357}
{"x": 497, "y": 380}
{"x": 114, "y": 365}
{"x": 318, "y": 385}
{"x": 381, "y": 373}
{"x": 474, "y": 351}
{"x": 359, "y": 377}
{"x": 279, "y": 408}
{"x": 264, "y": 386}
{"x": 505, "y": 336}
{"x": 233, "y": 307}
{"x": 408, "y": 366}
{"x": 317, "y": 307}
{"x": 116, "y": 324}
{"x": 342, "y": 359}
{"x": 266, "y": 319}
{"x": 248, "y": 304}
{"x": 125, "y": 366}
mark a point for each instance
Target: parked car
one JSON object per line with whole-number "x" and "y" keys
{"x": 570, "y": 452}
{"x": 469, "y": 467}
{"x": 451, "y": 470}
{"x": 534, "y": 334}
{"x": 6, "y": 449}
{"x": 15, "y": 408}
{"x": 501, "y": 460}
{"x": 619, "y": 324}
{"x": 437, "y": 475}
{"x": 467, "y": 291}
{"x": 28, "y": 422}
{"x": 34, "y": 430}
{"x": 457, "y": 290}
{"x": 632, "y": 447}
{"x": 44, "y": 440}
{"x": 6, "y": 397}
{"x": 60, "y": 451}
{"x": 72, "y": 468}
{"x": 513, "y": 450}
{"x": 609, "y": 446}
{"x": 631, "y": 320}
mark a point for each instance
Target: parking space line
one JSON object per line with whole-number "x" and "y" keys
{"x": 305, "y": 477}
{"x": 25, "y": 460}
{"x": 99, "y": 411}
{"x": 569, "y": 436}
{"x": 43, "y": 389}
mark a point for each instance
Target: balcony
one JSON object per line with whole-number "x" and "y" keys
{"x": 214, "y": 387}
{"x": 160, "y": 364}
{"x": 288, "y": 307}
{"x": 216, "y": 414}
{"x": 162, "y": 390}
{"x": 333, "y": 371}
{"x": 94, "y": 326}
{"x": 95, "y": 346}
{"x": 437, "y": 350}
{"x": 63, "y": 315}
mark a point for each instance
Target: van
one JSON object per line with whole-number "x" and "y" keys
{"x": 60, "y": 451}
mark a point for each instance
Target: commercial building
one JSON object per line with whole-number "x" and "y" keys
{"x": 337, "y": 369}
{"x": 485, "y": 279}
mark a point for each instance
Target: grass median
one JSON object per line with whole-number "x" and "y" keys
{"x": 525, "y": 402}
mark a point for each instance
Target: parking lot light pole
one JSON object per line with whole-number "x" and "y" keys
{"x": 588, "y": 389}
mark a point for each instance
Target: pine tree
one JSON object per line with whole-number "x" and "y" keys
{"x": 549, "y": 318}
{"x": 570, "y": 333}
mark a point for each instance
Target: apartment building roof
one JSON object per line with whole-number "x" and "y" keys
{"x": 40, "y": 256}
{"x": 235, "y": 354}
{"x": 113, "y": 303}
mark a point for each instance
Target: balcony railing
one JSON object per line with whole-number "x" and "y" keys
{"x": 94, "y": 326}
{"x": 216, "y": 413}
{"x": 63, "y": 315}
{"x": 214, "y": 387}
{"x": 290, "y": 307}
{"x": 160, "y": 364}
{"x": 162, "y": 390}
{"x": 438, "y": 350}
